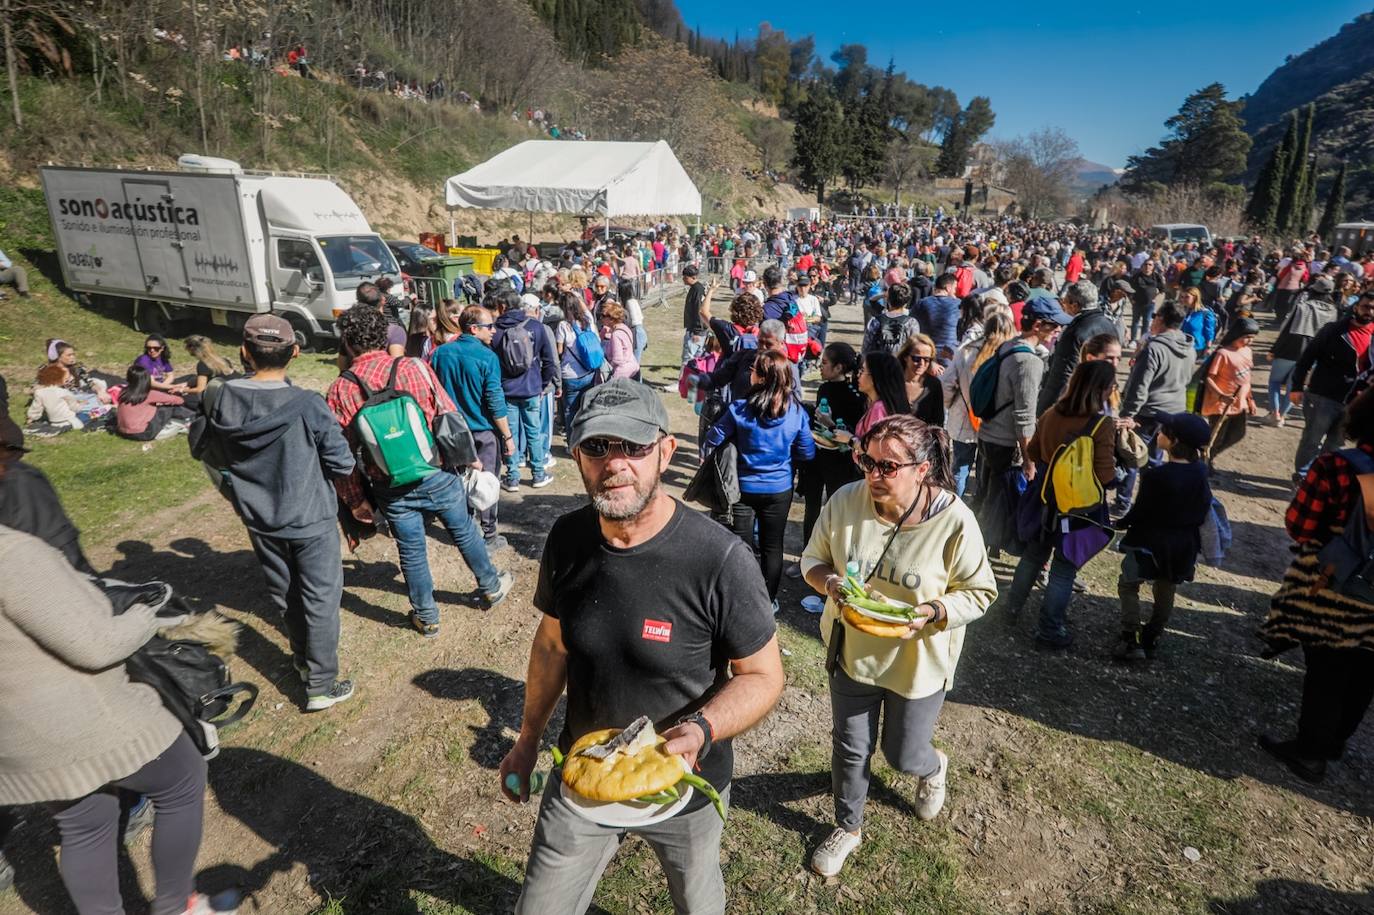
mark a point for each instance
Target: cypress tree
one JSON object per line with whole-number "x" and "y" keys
{"x": 1263, "y": 210}
{"x": 1334, "y": 212}
{"x": 1295, "y": 178}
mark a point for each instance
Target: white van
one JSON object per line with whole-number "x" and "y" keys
{"x": 1176, "y": 233}
{"x": 214, "y": 240}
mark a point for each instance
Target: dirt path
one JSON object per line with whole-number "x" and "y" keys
{"x": 1075, "y": 785}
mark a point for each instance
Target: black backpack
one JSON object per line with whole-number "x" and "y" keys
{"x": 187, "y": 669}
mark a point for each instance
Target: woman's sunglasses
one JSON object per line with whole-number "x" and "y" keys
{"x": 919, "y": 360}
{"x": 152, "y": 349}
{"x": 599, "y": 448}
{"x": 886, "y": 469}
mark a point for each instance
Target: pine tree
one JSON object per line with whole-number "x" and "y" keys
{"x": 1264, "y": 202}
{"x": 1308, "y": 202}
{"x": 1334, "y": 212}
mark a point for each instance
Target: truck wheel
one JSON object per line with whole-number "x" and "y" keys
{"x": 149, "y": 319}
{"x": 305, "y": 339}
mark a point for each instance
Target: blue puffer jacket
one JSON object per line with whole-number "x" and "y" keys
{"x": 1201, "y": 325}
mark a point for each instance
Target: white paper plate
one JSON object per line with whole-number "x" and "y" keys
{"x": 880, "y": 617}
{"x": 623, "y": 814}
{"x": 626, "y": 813}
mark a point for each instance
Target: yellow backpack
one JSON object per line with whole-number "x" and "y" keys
{"x": 1071, "y": 478}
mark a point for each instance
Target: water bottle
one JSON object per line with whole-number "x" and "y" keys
{"x": 823, "y": 409}
{"x": 536, "y": 783}
{"x": 851, "y": 568}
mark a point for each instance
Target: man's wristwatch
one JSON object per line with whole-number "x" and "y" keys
{"x": 700, "y": 721}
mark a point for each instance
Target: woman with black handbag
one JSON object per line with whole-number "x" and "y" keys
{"x": 74, "y": 729}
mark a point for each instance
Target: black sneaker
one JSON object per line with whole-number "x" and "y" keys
{"x": 1053, "y": 645}
{"x": 341, "y": 691}
{"x": 1286, "y": 752}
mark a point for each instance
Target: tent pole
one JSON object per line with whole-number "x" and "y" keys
{"x": 452, "y": 229}
{"x": 608, "y": 226}
{"x": 531, "y": 239}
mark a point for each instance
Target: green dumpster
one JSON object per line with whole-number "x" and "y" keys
{"x": 441, "y": 272}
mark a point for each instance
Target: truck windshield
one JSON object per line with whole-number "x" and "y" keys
{"x": 357, "y": 257}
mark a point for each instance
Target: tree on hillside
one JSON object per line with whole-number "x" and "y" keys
{"x": 1263, "y": 210}
{"x": 865, "y": 140}
{"x": 1295, "y": 178}
{"x": 772, "y": 51}
{"x": 854, "y": 73}
{"x": 1206, "y": 144}
{"x": 966, "y": 130}
{"x": 1039, "y": 167}
{"x": 907, "y": 160}
{"x": 1333, "y": 214}
{"x": 818, "y": 147}
{"x": 773, "y": 137}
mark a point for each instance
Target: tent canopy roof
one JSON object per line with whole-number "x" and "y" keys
{"x": 590, "y": 178}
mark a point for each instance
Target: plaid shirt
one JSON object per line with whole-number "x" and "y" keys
{"x": 345, "y": 399}
{"x": 1320, "y": 506}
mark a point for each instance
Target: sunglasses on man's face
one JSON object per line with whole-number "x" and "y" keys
{"x": 886, "y": 469}
{"x": 599, "y": 448}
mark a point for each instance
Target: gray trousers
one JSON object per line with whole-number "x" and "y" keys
{"x": 305, "y": 580}
{"x": 174, "y": 782}
{"x": 907, "y": 728}
{"x": 17, "y": 277}
{"x": 569, "y": 854}
{"x": 489, "y": 453}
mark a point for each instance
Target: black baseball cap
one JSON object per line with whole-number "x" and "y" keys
{"x": 11, "y": 436}
{"x": 621, "y": 409}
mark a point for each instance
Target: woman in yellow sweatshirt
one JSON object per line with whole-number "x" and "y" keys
{"x": 901, "y": 531}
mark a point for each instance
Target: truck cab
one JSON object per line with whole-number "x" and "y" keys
{"x": 318, "y": 248}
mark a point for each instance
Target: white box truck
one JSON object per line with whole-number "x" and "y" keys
{"x": 214, "y": 240}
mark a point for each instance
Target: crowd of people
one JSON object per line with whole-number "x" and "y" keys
{"x": 1034, "y": 392}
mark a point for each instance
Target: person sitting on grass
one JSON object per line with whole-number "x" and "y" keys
{"x": 144, "y": 412}
{"x": 209, "y": 363}
{"x": 157, "y": 362}
{"x": 78, "y": 379}
{"x": 1162, "y": 532}
{"x": 55, "y": 407}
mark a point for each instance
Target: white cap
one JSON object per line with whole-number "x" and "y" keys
{"x": 750, "y": 276}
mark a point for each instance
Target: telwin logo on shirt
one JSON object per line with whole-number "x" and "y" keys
{"x": 657, "y": 631}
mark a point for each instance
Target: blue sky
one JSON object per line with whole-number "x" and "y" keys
{"x": 1108, "y": 73}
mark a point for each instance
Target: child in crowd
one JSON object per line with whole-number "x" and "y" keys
{"x": 1227, "y": 399}
{"x": 1162, "y": 532}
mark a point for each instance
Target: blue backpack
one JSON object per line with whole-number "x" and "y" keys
{"x": 982, "y": 389}
{"x": 587, "y": 348}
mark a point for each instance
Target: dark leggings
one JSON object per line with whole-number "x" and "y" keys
{"x": 819, "y": 480}
{"x": 1336, "y": 692}
{"x": 771, "y": 509}
{"x": 175, "y": 784}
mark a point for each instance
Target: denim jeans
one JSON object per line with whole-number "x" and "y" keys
{"x": 1280, "y": 383}
{"x": 965, "y": 453}
{"x": 523, "y": 414}
{"x": 641, "y": 341}
{"x": 1323, "y": 428}
{"x": 442, "y": 495}
{"x": 1054, "y": 623}
{"x": 573, "y": 391}
{"x": 548, "y": 406}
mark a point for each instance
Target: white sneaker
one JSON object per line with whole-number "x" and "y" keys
{"x": 930, "y": 794}
{"x": 830, "y": 857}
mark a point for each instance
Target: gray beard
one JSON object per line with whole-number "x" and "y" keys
{"x": 608, "y": 510}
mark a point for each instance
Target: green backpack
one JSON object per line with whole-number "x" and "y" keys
{"x": 391, "y": 429}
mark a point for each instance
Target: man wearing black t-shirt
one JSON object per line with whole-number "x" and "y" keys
{"x": 652, "y": 609}
{"x": 693, "y": 324}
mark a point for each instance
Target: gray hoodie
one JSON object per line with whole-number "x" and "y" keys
{"x": 283, "y": 445}
{"x": 1159, "y": 379}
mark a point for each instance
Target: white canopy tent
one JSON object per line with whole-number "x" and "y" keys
{"x": 586, "y": 178}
